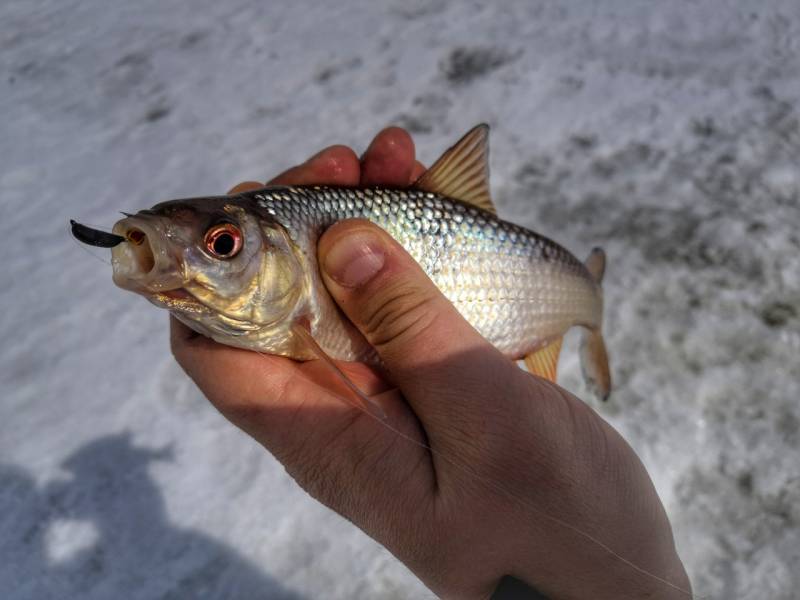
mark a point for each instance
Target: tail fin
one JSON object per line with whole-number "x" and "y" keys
{"x": 594, "y": 363}
{"x": 594, "y": 359}
{"x": 596, "y": 264}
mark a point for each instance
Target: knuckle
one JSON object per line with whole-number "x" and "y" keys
{"x": 544, "y": 435}
{"x": 313, "y": 472}
{"x": 320, "y": 473}
{"x": 399, "y": 315}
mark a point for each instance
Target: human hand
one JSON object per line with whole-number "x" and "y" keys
{"x": 494, "y": 472}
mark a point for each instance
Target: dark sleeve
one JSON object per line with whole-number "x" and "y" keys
{"x": 510, "y": 588}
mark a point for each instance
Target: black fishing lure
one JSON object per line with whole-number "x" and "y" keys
{"x": 94, "y": 237}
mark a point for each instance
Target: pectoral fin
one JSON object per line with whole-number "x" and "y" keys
{"x": 361, "y": 400}
{"x": 544, "y": 362}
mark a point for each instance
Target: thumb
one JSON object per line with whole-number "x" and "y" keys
{"x": 429, "y": 350}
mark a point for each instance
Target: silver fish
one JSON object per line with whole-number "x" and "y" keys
{"x": 242, "y": 269}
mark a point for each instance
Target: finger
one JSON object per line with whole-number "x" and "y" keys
{"x": 389, "y": 160}
{"x": 246, "y": 186}
{"x": 297, "y": 414}
{"x": 430, "y": 351}
{"x": 336, "y": 165}
{"x": 222, "y": 373}
{"x": 251, "y": 389}
{"x": 417, "y": 171}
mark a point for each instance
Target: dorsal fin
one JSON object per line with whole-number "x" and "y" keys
{"x": 462, "y": 172}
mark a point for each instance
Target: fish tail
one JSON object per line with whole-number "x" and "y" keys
{"x": 594, "y": 358}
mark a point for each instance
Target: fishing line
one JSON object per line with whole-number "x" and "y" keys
{"x": 469, "y": 470}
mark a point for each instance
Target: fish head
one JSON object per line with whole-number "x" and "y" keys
{"x": 220, "y": 265}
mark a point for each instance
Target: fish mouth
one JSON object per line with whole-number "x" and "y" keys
{"x": 144, "y": 264}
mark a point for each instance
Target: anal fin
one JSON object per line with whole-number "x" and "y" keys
{"x": 362, "y": 401}
{"x": 544, "y": 361}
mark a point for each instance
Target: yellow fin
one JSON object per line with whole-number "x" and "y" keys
{"x": 594, "y": 363}
{"x": 594, "y": 357}
{"x": 544, "y": 361}
{"x": 364, "y": 402}
{"x": 462, "y": 172}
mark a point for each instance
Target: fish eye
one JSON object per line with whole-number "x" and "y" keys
{"x": 223, "y": 241}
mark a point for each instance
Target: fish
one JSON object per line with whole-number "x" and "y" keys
{"x": 242, "y": 268}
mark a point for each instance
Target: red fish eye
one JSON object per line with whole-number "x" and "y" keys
{"x": 223, "y": 241}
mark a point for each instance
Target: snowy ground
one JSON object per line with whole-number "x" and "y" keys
{"x": 668, "y": 132}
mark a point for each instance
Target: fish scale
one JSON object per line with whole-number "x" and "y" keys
{"x": 517, "y": 288}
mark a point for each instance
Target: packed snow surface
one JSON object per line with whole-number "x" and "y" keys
{"x": 667, "y": 132}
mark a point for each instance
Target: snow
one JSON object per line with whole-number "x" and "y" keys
{"x": 667, "y": 133}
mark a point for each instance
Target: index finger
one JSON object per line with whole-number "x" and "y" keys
{"x": 335, "y": 165}
{"x": 263, "y": 394}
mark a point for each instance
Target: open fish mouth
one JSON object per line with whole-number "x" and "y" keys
{"x": 143, "y": 264}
